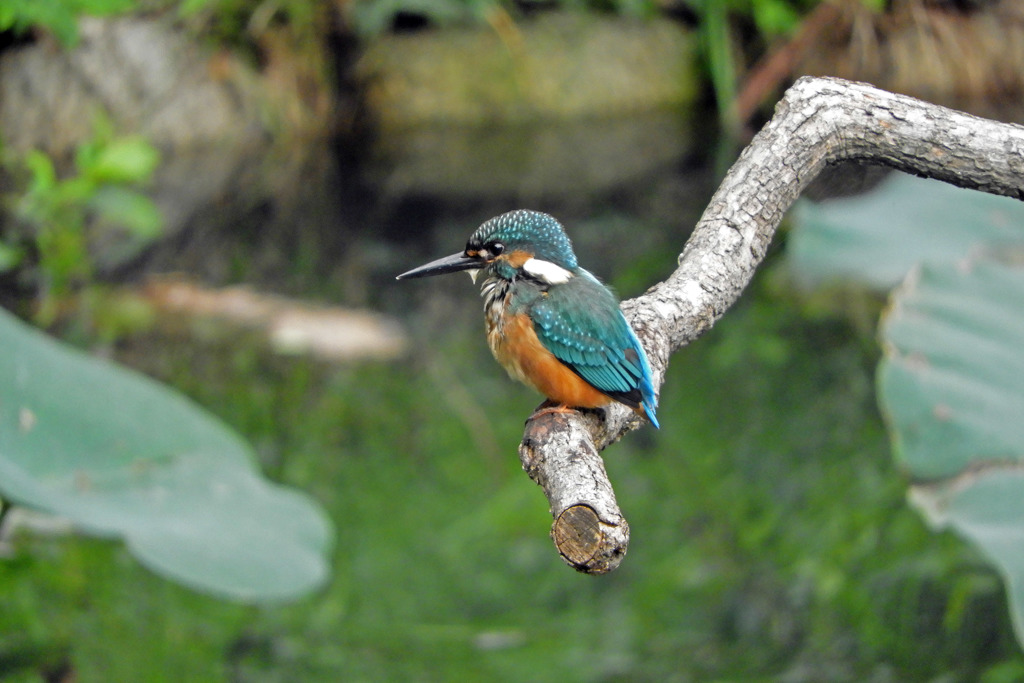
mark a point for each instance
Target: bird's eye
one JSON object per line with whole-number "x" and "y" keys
{"x": 496, "y": 248}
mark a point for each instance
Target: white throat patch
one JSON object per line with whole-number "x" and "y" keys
{"x": 547, "y": 271}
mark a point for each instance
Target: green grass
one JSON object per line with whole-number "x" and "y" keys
{"x": 770, "y": 535}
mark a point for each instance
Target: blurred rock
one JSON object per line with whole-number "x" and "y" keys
{"x": 563, "y": 104}
{"x": 147, "y": 76}
{"x": 533, "y": 162}
{"x": 227, "y": 132}
{"x": 555, "y": 66}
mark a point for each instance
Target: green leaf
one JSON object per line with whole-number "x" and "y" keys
{"x": 716, "y": 43}
{"x": 189, "y": 7}
{"x": 129, "y": 209}
{"x": 951, "y": 386}
{"x": 125, "y": 160}
{"x": 951, "y": 382}
{"x": 120, "y": 455}
{"x": 44, "y": 176}
{"x": 73, "y": 192}
{"x": 986, "y": 508}
{"x": 10, "y": 256}
{"x": 875, "y": 239}
{"x": 59, "y": 17}
{"x": 775, "y": 17}
{"x": 877, "y": 6}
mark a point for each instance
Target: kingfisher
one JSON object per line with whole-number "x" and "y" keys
{"x": 549, "y": 322}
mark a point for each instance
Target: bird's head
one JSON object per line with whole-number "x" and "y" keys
{"x": 515, "y": 243}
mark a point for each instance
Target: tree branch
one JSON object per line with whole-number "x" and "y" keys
{"x": 819, "y": 121}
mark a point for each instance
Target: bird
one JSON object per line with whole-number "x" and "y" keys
{"x": 550, "y": 323}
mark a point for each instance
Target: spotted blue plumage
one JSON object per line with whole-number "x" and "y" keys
{"x": 579, "y": 320}
{"x": 542, "y": 233}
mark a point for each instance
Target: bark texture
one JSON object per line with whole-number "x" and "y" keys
{"x": 819, "y": 121}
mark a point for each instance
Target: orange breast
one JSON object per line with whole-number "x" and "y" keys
{"x": 517, "y": 348}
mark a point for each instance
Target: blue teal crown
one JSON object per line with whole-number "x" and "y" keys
{"x": 531, "y": 231}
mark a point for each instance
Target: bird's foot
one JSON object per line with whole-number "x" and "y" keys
{"x": 549, "y": 408}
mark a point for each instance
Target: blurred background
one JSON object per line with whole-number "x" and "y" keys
{"x": 219, "y": 193}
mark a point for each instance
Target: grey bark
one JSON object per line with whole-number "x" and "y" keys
{"x": 819, "y": 121}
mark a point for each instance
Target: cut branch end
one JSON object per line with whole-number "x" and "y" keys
{"x": 587, "y": 544}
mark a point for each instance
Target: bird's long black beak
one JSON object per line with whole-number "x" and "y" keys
{"x": 448, "y": 264}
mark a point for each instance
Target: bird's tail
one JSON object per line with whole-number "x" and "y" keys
{"x": 649, "y": 403}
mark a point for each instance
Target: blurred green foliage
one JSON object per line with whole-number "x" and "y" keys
{"x": 239, "y": 23}
{"x": 720, "y": 45}
{"x": 51, "y": 220}
{"x": 59, "y": 17}
{"x": 224, "y": 22}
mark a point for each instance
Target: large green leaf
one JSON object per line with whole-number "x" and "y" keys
{"x": 951, "y": 386}
{"x": 120, "y": 455}
{"x": 985, "y": 507}
{"x": 878, "y": 237}
{"x": 952, "y": 380}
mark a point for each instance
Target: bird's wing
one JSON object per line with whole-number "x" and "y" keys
{"x": 581, "y": 324}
